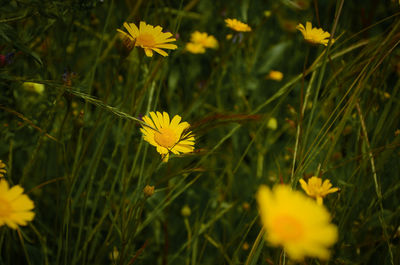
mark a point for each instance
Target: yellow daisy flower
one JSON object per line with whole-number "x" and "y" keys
{"x": 275, "y": 75}
{"x": 314, "y": 35}
{"x": 3, "y": 169}
{"x": 168, "y": 136}
{"x": 207, "y": 41}
{"x": 237, "y": 25}
{"x": 195, "y": 48}
{"x": 149, "y": 38}
{"x": 316, "y": 189}
{"x": 295, "y": 222}
{"x": 15, "y": 207}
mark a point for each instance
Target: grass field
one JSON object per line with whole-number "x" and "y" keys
{"x": 267, "y": 110}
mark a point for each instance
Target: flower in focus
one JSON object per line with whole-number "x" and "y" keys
{"x": 295, "y": 222}
{"x": 15, "y": 207}
{"x": 314, "y": 35}
{"x": 167, "y": 136}
{"x": 237, "y": 25}
{"x": 316, "y": 189}
{"x": 33, "y": 87}
{"x": 2, "y": 169}
{"x": 149, "y": 38}
{"x": 275, "y": 75}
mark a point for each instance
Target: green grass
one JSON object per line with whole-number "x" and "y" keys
{"x": 77, "y": 150}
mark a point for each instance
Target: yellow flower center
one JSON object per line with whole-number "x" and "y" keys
{"x": 146, "y": 40}
{"x": 165, "y": 137}
{"x": 5, "y": 208}
{"x": 288, "y": 228}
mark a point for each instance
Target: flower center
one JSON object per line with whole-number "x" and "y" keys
{"x": 165, "y": 137}
{"x": 5, "y": 208}
{"x": 145, "y": 40}
{"x": 288, "y": 228}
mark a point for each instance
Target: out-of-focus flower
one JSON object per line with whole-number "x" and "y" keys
{"x": 272, "y": 124}
{"x": 15, "y": 207}
{"x": 195, "y": 48}
{"x": 199, "y": 41}
{"x": 167, "y": 136}
{"x": 149, "y": 38}
{"x": 295, "y": 222}
{"x": 185, "y": 211}
{"x": 275, "y": 75}
{"x": 3, "y": 169}
{"x": 148, "y": 190}
{"x": 314, "y": 35}
{"x": 33, "y": 87}
{"x": 208, "y": 41}
{"x": 113, "y": 256}
{"x": 316, "y": 189}
{"x": 237, "y": 25}
{"x": 229, "y": 36}
{"x": 267, "y": 13}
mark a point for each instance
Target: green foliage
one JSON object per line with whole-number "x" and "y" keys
{"x": 77, "y": 150}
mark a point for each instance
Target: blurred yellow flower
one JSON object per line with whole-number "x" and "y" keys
{"x": 149, "y": 38}
{"x": 2, "y": 169}
{"x": 148, "y": 190}
{"x": 33, "y": 87}
{"x": 199, "y": 41}
{"x": 15, "y": 207}
{"x": 316, "y": 189}
{"x": 208, "y": 41}
{"x": 186, "y": 211}
{"x": 272, "y": 124}
{"x": 195, "y": 48}
{"x": 274, "y": 75}
{"x": 237, "y": 25}
{"x": 314, "y": 35}
{"x": 295, "y": 222}
{"x": 167, "y": 136}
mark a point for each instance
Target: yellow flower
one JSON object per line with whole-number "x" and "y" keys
{"x": 314, "y": 35}
{"x": 207, "y": 41}
{"x": 148, "y": 37}
{"x": 15, "y": 207}
{"x": 167, "y": 136}
{"x": 296, "y": 222}
{"x": 195, "y": 48}
{"x": 2, "y": 169}
{"x": 237, "y": 25}
{"x": 316, "y": 189}
{"x": 33, "y": 87}
{"x": 274, "y": 75}
{"x": 272, "y": 124}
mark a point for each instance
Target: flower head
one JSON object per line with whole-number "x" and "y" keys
{"x": 274, "y": 75}
{"x": 314, "y": 35}
{"x": 167, "y": 136}
{"x": 149, "y": 38}
{"x": 195, "y": 48}
{"x": 237, "y": 25}
{"x": 296, "y": 222}
{"x": 33, "y": 87}
{"x": 316, "y": 189}
{"x": 208, "y": 41}
{"x": 199, "y": 41}
{"x": 15, "y": 207}
{"x": 3, "y": 169}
